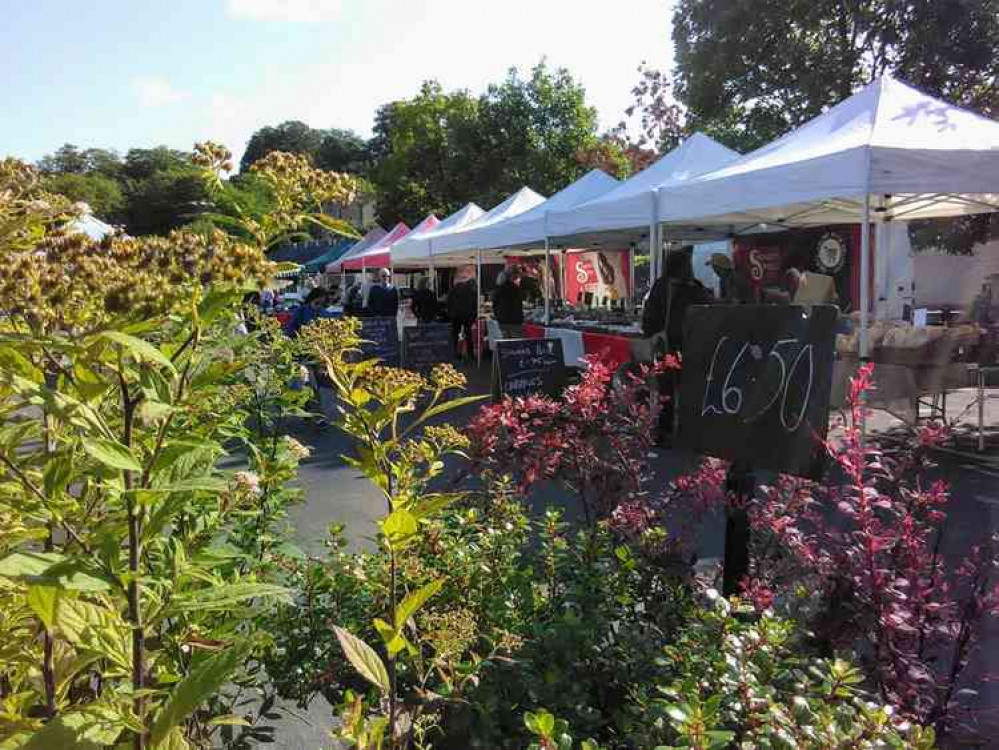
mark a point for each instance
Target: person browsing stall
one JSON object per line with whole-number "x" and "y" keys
{"x": 383, "y": 299}
{"x": 664, "y": 313}
{"x": 462, "y": 311}
{"x": 424, "y": 302}
{"x": 508, "y": 303}
{"x": 309, "y": 310}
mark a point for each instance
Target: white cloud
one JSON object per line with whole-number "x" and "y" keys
{"x": 156, "y": 92}
{"x": 301, "y": 11}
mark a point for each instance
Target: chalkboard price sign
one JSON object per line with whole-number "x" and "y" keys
{"x": 424, "y": 346}
{"x": 524, "y": 367}
{"x": 755, "y": 384}
{"x": 382, "y": 339}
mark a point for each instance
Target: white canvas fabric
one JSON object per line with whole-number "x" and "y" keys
{"x": 464, "y": 240}
{"x": 414, "y": 250}
{"x": 386, "y": 243}
{"x": 915, "y": 156}
{"x": 373, "y": 235}
{"x": 530, "y": 228}
{"x": 91, "y": 226}
{"x": 623, "y": 215}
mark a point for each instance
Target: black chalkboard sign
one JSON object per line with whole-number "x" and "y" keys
{"x": 426, "y": 345}
{"x": 524, "y": 367}
{"x": 755, "y": 384}
{"x": 381, "y": 336}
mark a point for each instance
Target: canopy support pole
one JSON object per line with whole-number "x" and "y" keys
{"x": 865, "y": 295}
{"x": 433, "y": 271}
{"x": 478, "y": 307}
{"x": 655, "y": 244}
{"x": 632, "y": 301}
{"x": 547, "y": 282}
{"x": 565, "y": 277}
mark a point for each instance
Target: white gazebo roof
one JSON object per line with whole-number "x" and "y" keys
{"x": 415, "y": 248}
{"x": 913, "y": 156}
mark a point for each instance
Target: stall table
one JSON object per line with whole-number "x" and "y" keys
{"x": 617, "y": 347}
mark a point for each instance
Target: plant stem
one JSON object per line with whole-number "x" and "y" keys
{"x": 392, "y": 604}
{"x": 391, "y": 659}
{"x": 134, "y": 555}
{"x": 48, "y": 669}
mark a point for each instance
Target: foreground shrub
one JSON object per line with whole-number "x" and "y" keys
{"x": 861, "y": 562}
{"x": 132, "y": 568}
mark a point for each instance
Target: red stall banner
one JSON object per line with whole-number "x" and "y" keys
{"x": 593, "y": 276}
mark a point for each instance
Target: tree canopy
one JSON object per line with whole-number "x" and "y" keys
{"x": 293, "y": 136}
{"x": 149, "y": 191}
{"x": 748, "y": 72}
{"x": 438, "y": 150}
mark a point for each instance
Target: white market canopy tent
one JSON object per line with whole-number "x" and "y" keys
{"x": 457, "y": 248}
{"x": 529, "y": 229}
{"x": 888, "y": 152}
{"x": 911, "y": 155}
{"x": 624, "y": 215}
{"x": 396, "y": 233}
{"x": 373, "y": 235}
{"x": 91, "y": 226}
{"x": 416, "y": 248}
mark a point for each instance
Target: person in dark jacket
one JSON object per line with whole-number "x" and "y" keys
{"x": 424, "y": 302}
{"x": 665, "y": 311}
{"x": 508, "y": 303}
{"x": 383, "y": 300}
{"x": 462, "y": 311}
{"x": 308, "y": 311}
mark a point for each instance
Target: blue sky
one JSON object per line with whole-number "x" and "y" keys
{"x": 124, "y": 73}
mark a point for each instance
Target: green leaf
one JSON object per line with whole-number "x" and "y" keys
{"x": 231, "y": 720}
{"x": 531, "y": 722}
{"x": 23, "y": 564}
{"x": 546, "y": 723}
{"x": 44, "y": 601}
{"x": 93, "y": 728}
{"x": 444, "y": 407}
{"x": 200, "y": 684}
{"x": 58, "y": 470}
{"x": 221, "y": 597}
{"x": 215, "y": 303}
{"x": 111, "y": 453}
{"x": 174, "y": 740}
{"x": 433, "y": 503}
{"x": 394, "y": 640}
{"x": 11, "y": 360}
{"x": 399, "y": 526}
{"x": 364, "y": 659}
{"x": 141, "y": 350}
{"x": 153, "y": 410}
{"x": 412, "y": 603}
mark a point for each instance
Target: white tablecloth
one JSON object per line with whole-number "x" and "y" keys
{"x": 572, "y": 345}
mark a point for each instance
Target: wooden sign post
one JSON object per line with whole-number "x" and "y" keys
{"x": 524, "y": 367}
{"x": 755, "y": 390}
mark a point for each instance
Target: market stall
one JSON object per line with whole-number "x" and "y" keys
{"x": 375, "y": 256}
{"x": 887, "y": 154}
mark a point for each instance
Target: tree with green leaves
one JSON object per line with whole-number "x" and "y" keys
{"x": 749, "y": 72}
{"x": 424, "y": 151}
{"x": 532, "y": 129}
{"x": 438, "y": 150}
{"x": 293, "y": 137}
{"x": 343, "y": 151}
{"x": 102, "y": 194}
{"x": 70, "y": 159}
